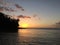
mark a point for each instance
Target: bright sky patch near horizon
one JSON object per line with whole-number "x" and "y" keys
{"x": 47, "y": 10}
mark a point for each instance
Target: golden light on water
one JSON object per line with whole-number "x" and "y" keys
{"x": 32, "y": 33}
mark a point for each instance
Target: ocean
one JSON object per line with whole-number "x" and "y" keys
{"x": 31, "y": 37}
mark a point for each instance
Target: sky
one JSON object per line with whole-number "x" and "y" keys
{"x": 43, "y": 13}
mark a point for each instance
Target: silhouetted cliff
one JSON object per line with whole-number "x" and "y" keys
{"x": 8, "y": 24}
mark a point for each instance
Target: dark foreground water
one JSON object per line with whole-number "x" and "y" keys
{"x": 31, "y": 37}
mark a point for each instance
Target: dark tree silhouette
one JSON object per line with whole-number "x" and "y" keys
{"x": 8, "y": 24}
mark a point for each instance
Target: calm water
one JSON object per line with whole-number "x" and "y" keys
{"x": 31, "y": 37}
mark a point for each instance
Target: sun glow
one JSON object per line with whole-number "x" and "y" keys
{"x": 23, "y": 25}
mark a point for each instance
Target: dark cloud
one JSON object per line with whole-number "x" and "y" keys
{"x": 19, "y": 7}
{"x": 12, "y": 10}
{"x": 1, "y": 1}
{"x": 6, "y": 9}
{"x": 57, "y": 25}
{"x": 1, "y": 8}
{"x": 36, "y": 16}
{"x": 21, "y": 16}
{"x": 6, "y": 6}
{"x": 9, "y": 9}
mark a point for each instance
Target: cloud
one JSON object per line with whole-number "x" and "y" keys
{"x": 1, "y": 2}
{"x": 36, "y": 16}
{"x": 1, "y": 8}
{"x": 6, "y": 6}
{"x": 6, "y": 9}
{"x": 21, "y": 16}
{"x": 9, "y": 9}
{"x": 56, "y": 25}
{"x": 19, "y": 7}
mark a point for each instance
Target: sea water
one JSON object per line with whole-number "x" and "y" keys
{"x": 31, "y": 37}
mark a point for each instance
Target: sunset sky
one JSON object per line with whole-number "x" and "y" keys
{"x": 43, "y": 13}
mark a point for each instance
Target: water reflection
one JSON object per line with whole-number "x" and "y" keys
{"x": 31, "y": 37}
{"x": 32, "y": 33}
{"x": 9, "y": 38}
{"x": 38, "y": 37}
